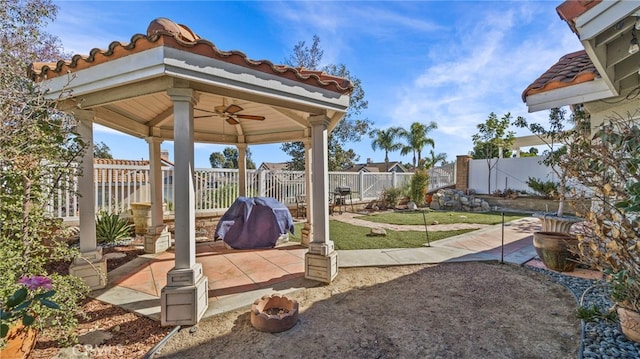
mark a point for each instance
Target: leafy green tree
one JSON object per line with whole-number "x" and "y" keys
{"x": 386, "y": 141}
{"x": 38, "y": 148}
{"x": 101, "y": 150}
{"x": 533, "y": 152}
{"x": 228, "y": 158}
{"x": 492, "y": 135}
{"x": 417, "y": 137}
{"x": 552, "y": 136}
{"x": 349, "y": 129}
{"x": 217, "y": 160}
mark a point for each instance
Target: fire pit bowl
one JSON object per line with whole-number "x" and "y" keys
{"x": 274, "y": 313}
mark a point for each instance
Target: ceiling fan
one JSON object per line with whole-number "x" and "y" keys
{"x": 230, "y": 114}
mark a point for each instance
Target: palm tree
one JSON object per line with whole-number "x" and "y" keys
{"x": 385, "y": 140}
{"x": 434, "y": 159}
{"x": 417, "y": 138}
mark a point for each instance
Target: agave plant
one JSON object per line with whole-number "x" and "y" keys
{"x": 110, "y": 227}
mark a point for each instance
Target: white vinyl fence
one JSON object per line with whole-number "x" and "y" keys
{"x": 507, "y": 173}
{"x": 117, "y": 186}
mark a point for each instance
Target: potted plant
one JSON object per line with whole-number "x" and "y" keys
{"x": 17, "y": 335}
{"x": 554, "y": 245}
{"x": 608, "y": 170}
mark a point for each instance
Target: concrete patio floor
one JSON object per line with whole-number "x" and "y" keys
{"x": 238, "y": 277}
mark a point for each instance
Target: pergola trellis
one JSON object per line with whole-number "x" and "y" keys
{"x": 170, "y": 85}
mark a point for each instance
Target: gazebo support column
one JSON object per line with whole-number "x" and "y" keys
{"x": 157, "y": 239}
{"x": 242, "y": 169}
{"x": 90, "y": 266}
{"x": 307, "y": 231}
{"x": 184, "y": 299}
{"x": 321, "y": 261}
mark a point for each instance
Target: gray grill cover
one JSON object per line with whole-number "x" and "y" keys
{"x": 254, "y": 222}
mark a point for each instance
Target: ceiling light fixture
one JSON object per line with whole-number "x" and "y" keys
{"x": 634, "y": 46}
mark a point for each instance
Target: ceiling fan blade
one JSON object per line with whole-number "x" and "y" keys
{"x": 251, "y": 117}
{"x": 205, "y": 116}
{"x": 233, "y": 109}
{"x": 232, "y": 121}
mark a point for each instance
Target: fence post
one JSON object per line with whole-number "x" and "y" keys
{"x": 361, "y": 184}
{"x": 261, "y": 183}
{"x": 394, "y": 180}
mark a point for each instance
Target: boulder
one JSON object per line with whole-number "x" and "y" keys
{"x": 378, "y": 232}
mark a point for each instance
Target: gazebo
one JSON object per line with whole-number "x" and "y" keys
{"x": 172, "y": 85}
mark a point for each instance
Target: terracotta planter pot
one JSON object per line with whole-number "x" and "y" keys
{"x": 20, "y": 342}
{"x": 556, "y": 250}
{"x": 630, "y": 323}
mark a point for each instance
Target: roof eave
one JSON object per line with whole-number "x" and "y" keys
{"x": 569, "y": 95}
{"x": 595, "y": 21}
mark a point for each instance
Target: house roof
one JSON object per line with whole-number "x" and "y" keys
{"x": 275, "y": 166}
{"x": 571, "y": 69}
{"x": 164, "y": 32}
{"x": 375, "y": 167}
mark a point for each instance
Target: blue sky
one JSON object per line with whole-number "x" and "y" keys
{"x": 452, "y": 62}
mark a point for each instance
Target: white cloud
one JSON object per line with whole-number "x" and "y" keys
{"x": 483, "y": 70}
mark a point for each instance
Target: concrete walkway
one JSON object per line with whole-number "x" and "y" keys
{"x": 354, "y": 218}
{"x": 481, "y": 245}
{"x": 238, "y": 277}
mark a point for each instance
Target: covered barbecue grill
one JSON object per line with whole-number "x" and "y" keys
{"x": 254, "y": 222}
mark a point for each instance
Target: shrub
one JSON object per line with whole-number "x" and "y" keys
{"x": 110, "y": 227}
{"x": 548, "y": 189}
{"x": 38, "y": 146}
{"x": 418, "y": 188}
{"x": 606, "y": 165}
{"x": 391, "y": 196}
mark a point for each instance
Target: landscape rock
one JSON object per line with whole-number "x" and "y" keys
{"x": 378, "y": 232}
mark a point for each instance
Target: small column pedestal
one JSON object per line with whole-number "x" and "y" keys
{"x": 157, "y": 239}
{"x": 91, "y": 268}
{"x": 321, "y": 262}
{"x": 185, "y": 298}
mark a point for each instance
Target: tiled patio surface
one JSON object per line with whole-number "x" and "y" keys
{"x": 229, "y": 271}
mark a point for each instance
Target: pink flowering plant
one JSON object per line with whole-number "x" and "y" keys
{"x": 34, "y": 290}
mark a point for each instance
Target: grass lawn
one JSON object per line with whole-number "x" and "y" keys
{"x": 347, "y": 236}
{"x": 443, "y": 217}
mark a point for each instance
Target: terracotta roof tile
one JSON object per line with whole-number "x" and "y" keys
{"x": 571, "y": 69}
{"x": 164, "y": 32}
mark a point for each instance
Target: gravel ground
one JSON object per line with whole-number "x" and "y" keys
{"x": 602, "y": 338}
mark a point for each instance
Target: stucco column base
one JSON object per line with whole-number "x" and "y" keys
{"x": 184, "y": 299}
{"x": 157, "y": 239}
{"x": 321, "y": 262}
{"x": 306, "y": 234}
{"x": 323, "y": 268}
{"x": 91, "y": 268}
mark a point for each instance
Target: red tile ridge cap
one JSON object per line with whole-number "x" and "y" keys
{"x": 571, "y": 9}
{"x": 164, "y": 32}
{"x": 571, "y": 69}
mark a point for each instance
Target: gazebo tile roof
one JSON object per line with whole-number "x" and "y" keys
{"x": 164, "y": 32}
{"x": 571, "y": 69}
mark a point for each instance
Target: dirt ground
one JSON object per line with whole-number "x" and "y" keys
{"x": 464, "y": 310}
